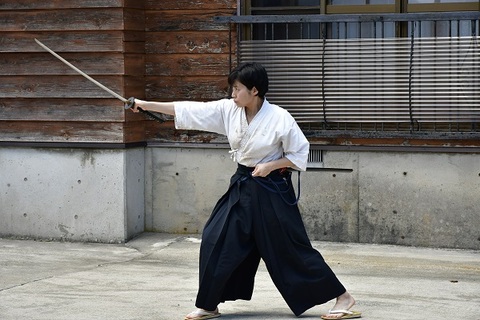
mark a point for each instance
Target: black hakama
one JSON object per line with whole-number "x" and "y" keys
{"x": 256, "y": 219}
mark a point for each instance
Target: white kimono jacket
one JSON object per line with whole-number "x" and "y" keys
{"x": 271, "y": 135}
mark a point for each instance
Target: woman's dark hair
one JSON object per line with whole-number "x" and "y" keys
{"x": 250, "y": 74}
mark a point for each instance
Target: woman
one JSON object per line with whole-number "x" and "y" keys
{"x": 257, "y": 218}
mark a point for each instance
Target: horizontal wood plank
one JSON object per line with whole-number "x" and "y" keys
{"x": 133, "y": 19}
{"x": 186, "y": 20}
{"x": 134, "y": 86}
{"x": 188, "y": 64}
{"x": 62, "y": 19}
{"x": 197, "y": 4}
{"x": 189, "y": 42}
{"x": 59, "y": 4}
{"x": 134, "y": 132}
{"x": 134, "y": 64}
{"x": 134, "y": 47}
{"x": 84, "y": 110}
{"x": 186, "y": 88}
{"x": 134, "y": 36}
{"x": 36, "y": 64}
{"x": 57, "y": 87}
{"x": 61, "y": 42}
{"x": 138, "y": 4}
{"x": 109, "y": 132}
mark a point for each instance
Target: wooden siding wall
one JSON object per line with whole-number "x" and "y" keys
{"x": 187, "y": 56}
{"x": 159, "y": 50}
{"x": 41, "y": 99}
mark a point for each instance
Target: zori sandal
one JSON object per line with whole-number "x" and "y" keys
{"x": 201, "y": 314}
{"x": 341, "y": 314}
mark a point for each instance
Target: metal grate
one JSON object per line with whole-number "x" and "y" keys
{"x": 315, "y": 158}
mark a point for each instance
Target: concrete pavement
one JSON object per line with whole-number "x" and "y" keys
{"x": 155, "y": 277}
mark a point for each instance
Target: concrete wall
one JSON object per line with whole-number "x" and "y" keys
{"x": 420, "y": 199}
{"x": 183, "y": 185}
{"x": 73, "y": 194}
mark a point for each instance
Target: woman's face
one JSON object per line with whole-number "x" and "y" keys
{"x": 242, "y": 96}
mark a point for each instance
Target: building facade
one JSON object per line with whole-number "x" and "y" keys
{"x": 387, "y": 92}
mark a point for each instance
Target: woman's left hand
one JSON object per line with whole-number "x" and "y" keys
{"x": 262, "y": 170}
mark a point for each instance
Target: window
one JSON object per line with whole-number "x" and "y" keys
{"x": 439, "y": 1}
{"x": 284, "y": 31}
{"x": 369, "y": 64}
{"x": 360, "y": 2}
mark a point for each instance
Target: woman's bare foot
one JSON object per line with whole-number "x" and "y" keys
{"x": 344, "y": 303}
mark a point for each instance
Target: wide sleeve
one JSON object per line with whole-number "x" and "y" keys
{"x": 204, "y": 116}
{"x": 296, "y": 147}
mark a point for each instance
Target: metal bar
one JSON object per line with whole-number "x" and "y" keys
{"x": 410, "y": 104}
{"x": 324, "y": 102}
{"x": 316, "y": 18}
